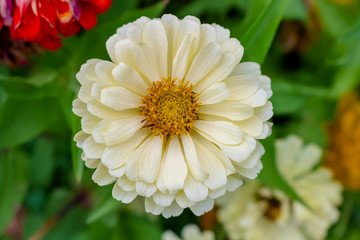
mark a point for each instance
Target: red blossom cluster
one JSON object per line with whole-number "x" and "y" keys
{"x": 42, "y": 21}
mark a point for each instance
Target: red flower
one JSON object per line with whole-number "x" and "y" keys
{"x": 42, "y": 21}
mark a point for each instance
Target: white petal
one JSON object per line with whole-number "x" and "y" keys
{"x": 219, "y": 72}
{"x": 203, "y": 206}
{"x": 266, "y": 130}
{"x": 93, "y": 149}
{"x": 212, "y": 165}
{"x": 264, "y": 112}
{"x": 242, "y": 86}
{"x": 207, "y": 35}
{"x": 87, "y": 72}
{"x": 182, "y": 58}
{"x": 146, "y": 62}
{"x": 92, "y": 163}
{"x": 250, "y": 173}
{"x": 124, "y": 52}
{"x": 173, "y": 210}
{"x": 110, "y": 46}
{"x": 116, "y": 156}
{"x": 265, "y": 84}
{"x": 216, "y": 93}
{"x": 222, "y": 33}
{"x": 101, "y": 111}
{"x": 308, "y": 157}
{"x": 127, "y": 77}
{"x": 239, "y": 152}
{"x": 152, "y": 207}
{"x": 145, "y": 189}
{"x": 169, "y": 235}
{"x": 154, "y": 36}
{"x": 119, "y": 98}
{"x": 182, "y": 200}
{"x": 125, "y": 184}
{"x": 79, "y": 108}
{"x": 121, "y": 130}
{"x": 85, "y": 92}
{"x": 233, "y": 45}
{"x": 150, "y": 159}
{"x": 123, "y": 196}
{"x": 220, "y": 131}
{"x": 117, "y": 172}
{"x": 97, "y": 88}
{"x": 194, "y": 190}
{"x": 88, "y": 122}
{"x": 134, "y": 33}
{"x": 251, "y": 161}
{"x": 252, "y": 126}
{"x": 233, "y": 183}
{"x": 184, "y": 28}
{"x": 204, "y": 62}
{"x": 259, "y": 98}
{"x": 101, "y": 176}
{"x": 175, "y": 168}
{"x": 247, "y": 68}
{"x": 103, "y": 70}
{"x": 232, "y": 110}
{"x": 163, "y": 199}
{"x": 79, "y": 138}
{"x": 192, "y": 159}
{"x": 170, "y": 23}
{"x": 214, "y": 150}
{"x": 217, "y": 193}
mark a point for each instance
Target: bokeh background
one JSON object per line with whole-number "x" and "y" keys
{"x": 309, "y": 48}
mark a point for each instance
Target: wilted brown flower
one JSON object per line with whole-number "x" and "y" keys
{"x": 343, "y": 152}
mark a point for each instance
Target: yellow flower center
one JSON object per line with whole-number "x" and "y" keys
{"x": 170, "y": 109}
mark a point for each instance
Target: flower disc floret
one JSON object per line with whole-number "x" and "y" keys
{"x": 170, "y": 109}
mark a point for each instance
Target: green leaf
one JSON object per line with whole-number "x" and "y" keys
{"x": 3, "y": 99}
{"x": 259, "y": 35}
{"x": 26, "y": 119}
{"x": 270, "y": 175}
{"x": 141, "y": 227}
{"x": 13, "y": 183}
{"x": 36, "y": 87}
{"x": 77, "y": 162}
{"x": 107, "y": 206}
{"x": 43, "y": 156}
{"x": 345, "y": 79}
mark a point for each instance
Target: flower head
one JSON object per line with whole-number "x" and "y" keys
{"x": 189, "y": 232}
{"x": 174, "y": 117}
{"x": 42, "y": 21}
{"x": 257, "y": 212}
{"x": 341, "y": 157}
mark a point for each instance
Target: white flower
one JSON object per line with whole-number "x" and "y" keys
{"x": 173, "y": 117}
{"x": 189, "y": 232}
{"x": 256, "y": 212}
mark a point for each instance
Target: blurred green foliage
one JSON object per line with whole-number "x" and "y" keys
{"x": 41, "y": 171}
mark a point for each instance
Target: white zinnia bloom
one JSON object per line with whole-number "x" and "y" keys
{"x": 255, "y": 212}
{"x": 189, "y": 232}
{"x": 173, "y": 117}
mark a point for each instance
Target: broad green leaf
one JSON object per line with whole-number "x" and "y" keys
{"x": 270, "y": 175}
{"x": 345, "y": 79}
{"x": 141, "y": 227}
{"x": 36, "y": 87}
{"x": 296, "y": 10}
{"x": 107, "y": 206}
{"x": 259, "y": 35}
{"x": 23, "y": 120}
{"x": 77, "y": 162}
{"x": 42, "y": 160}
{"x": 3, "y": 99}
{"x": 13, "y": 183}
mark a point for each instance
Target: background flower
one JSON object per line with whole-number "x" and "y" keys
{"x": 179, "y": 141}
{"x": 258, "y": 212}
{"x": 189, "y": 232}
